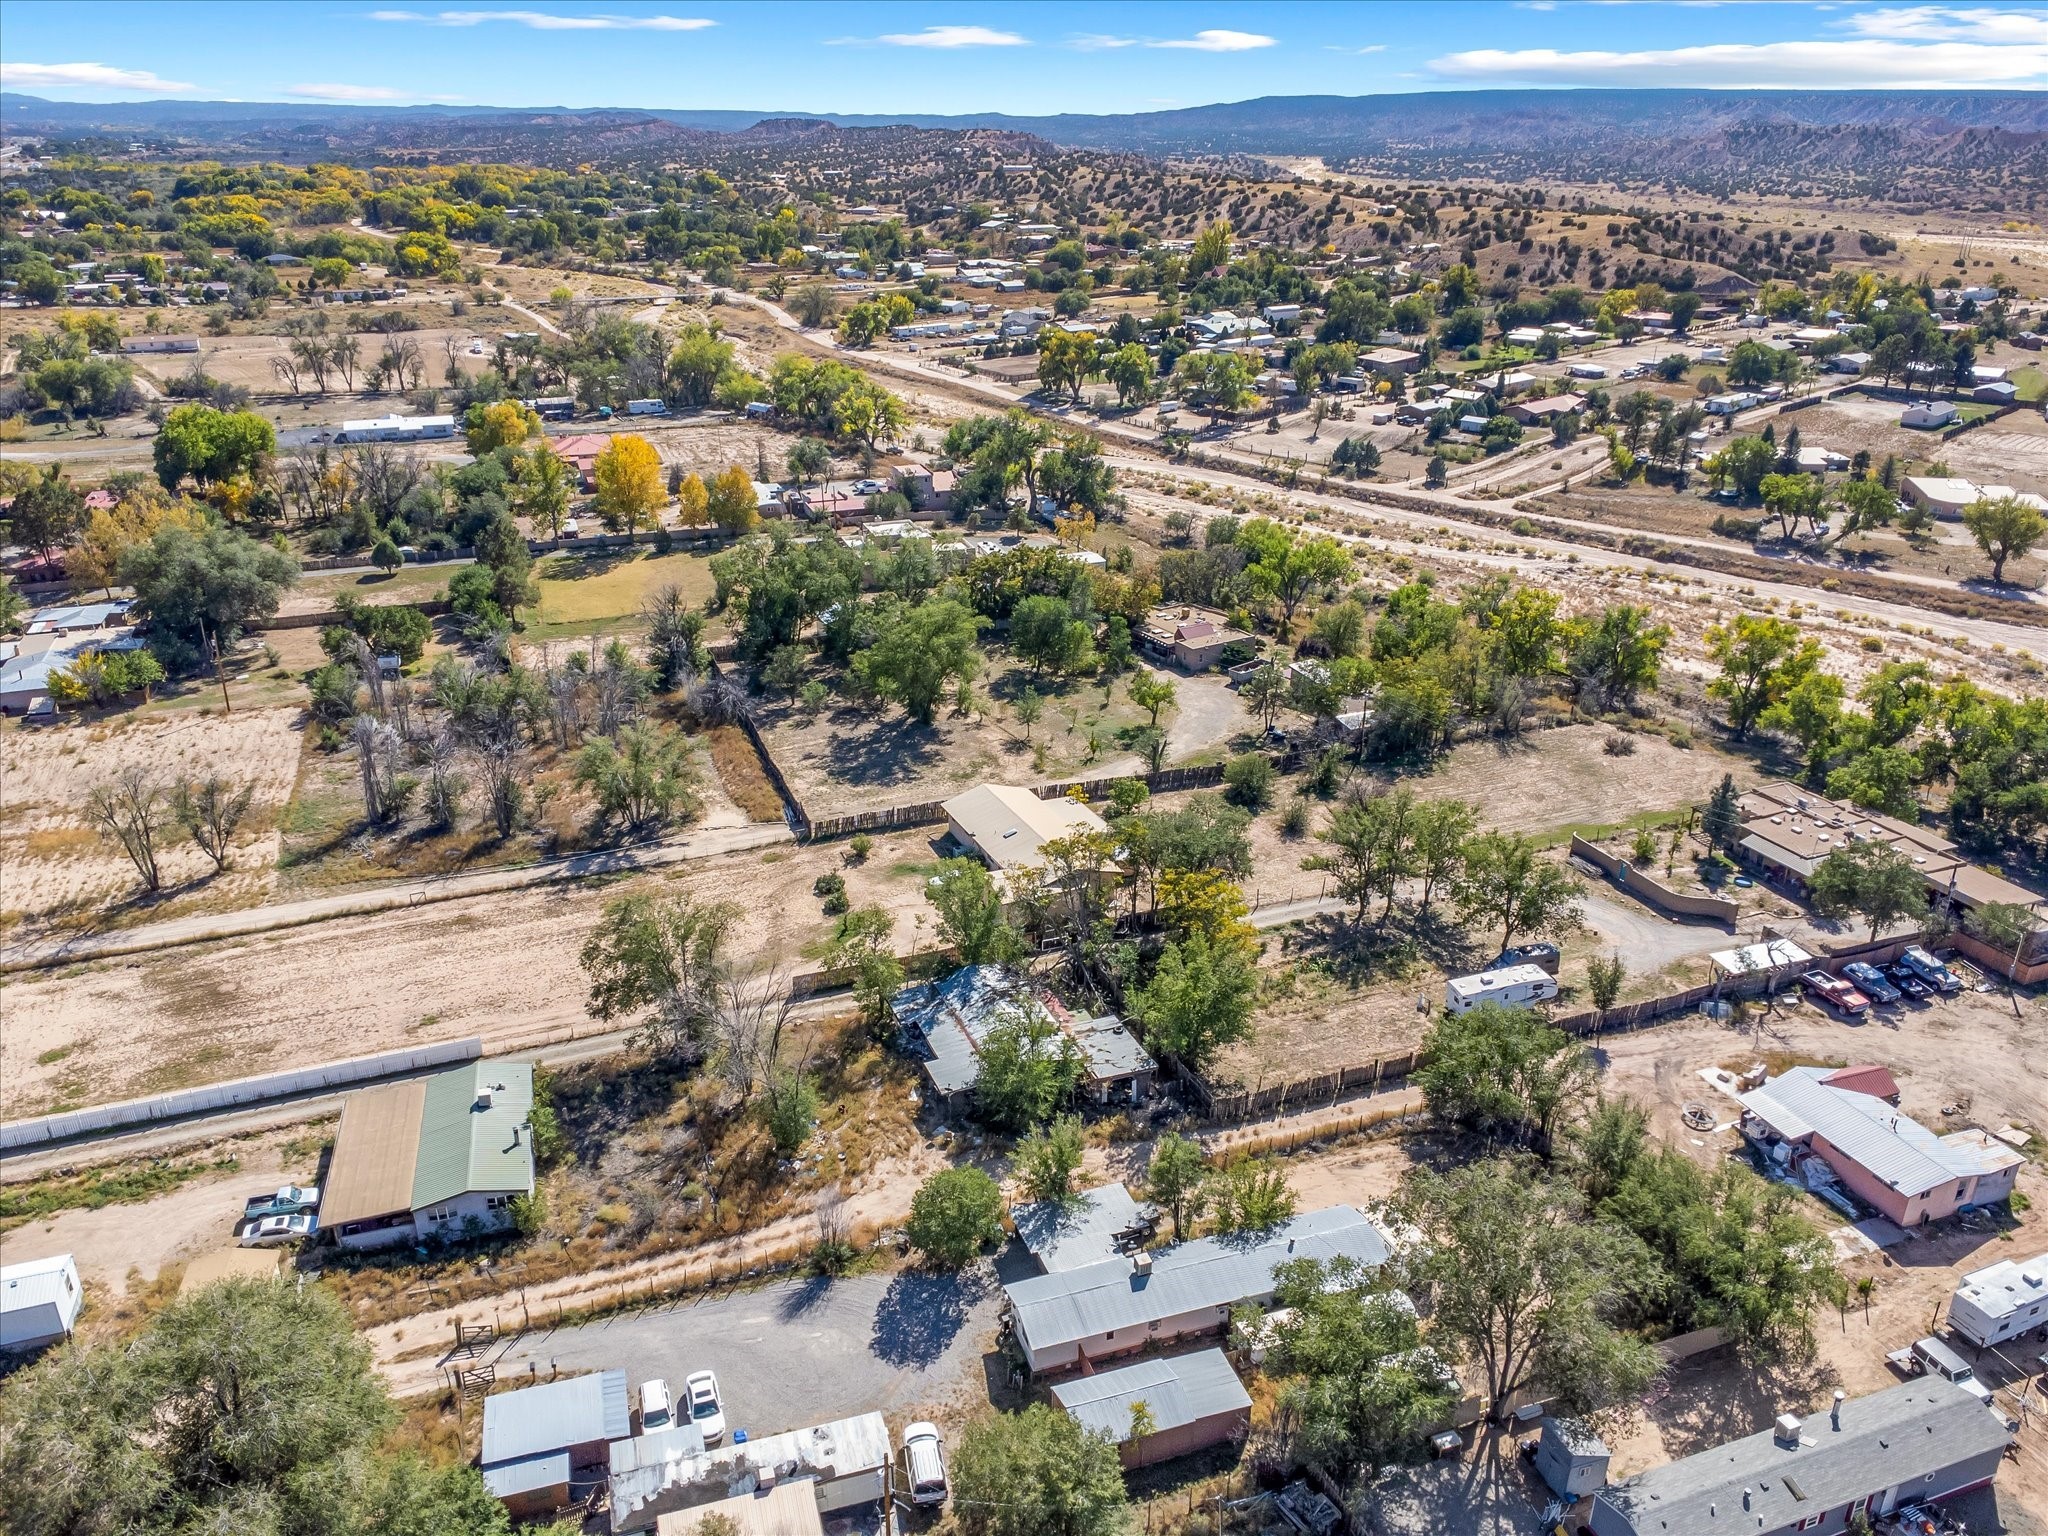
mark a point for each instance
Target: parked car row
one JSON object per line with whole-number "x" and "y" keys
{"x": 701, "y": 1405}
{"x": 1915, "y": 974}
{"x": 289, "y": 1215}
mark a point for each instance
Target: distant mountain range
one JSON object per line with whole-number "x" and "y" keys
{"x": 1867, "y": 141}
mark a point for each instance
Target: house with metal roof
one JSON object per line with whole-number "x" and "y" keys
{"x": 1119, "y": 1305}
{"x": 944, "y": 1023}
{"x": 439, "y": 1157}
{"x": 1191, "y": 1402}
{"x": 542, "y": 1444}
{"x": 1005, "y": 825}
{"x": 844, "y": 1463}
{"x": 1092, "y": 1226}
{"x": 1926, "y": 1440}
{"x": 39, "y": 1301}
{"x": 2001, "y": 1301}
{"x": 1882, "y": 1155}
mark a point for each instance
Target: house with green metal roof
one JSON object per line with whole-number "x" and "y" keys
{"x": 440, "y": 1157}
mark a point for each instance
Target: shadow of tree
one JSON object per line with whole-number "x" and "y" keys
{"x": 1704, "y": 1401}
{"x": 921, "y": 1314}
{"x": 805, "y": 1296}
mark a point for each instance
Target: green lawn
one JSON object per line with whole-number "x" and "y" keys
{"x": 2031, "y": 382}
{"x": 589, "y": 595}
{"x": 409, "y": 583}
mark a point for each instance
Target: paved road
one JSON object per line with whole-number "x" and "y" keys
{"x": 794, "y": 1353}
{"x": 705, "y": 844}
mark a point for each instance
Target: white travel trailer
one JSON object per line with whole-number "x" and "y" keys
{"x": 1515, "y": 985}
{"x": 2001, "y": 1302}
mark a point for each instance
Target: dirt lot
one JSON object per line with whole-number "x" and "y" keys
{"x": 58, "y": 868}
{"x": 503, "y": 967}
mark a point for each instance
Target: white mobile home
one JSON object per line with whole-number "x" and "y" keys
{"x": 1587, "y": 371}
{"x": 1517, "y": 986}
{"x": 2001, "y": 1302}
{"x": 39, "y": 1302}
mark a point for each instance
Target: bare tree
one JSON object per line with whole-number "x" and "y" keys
{"x": 747, "y": 1024}
{"x": 445, "y": 784}
{"x": 346, "y": 354}
{"x": 285, "y": 368}
{"x": 565, "y": 703}
{"x": 376, "y": 747}
{"x": 311, "y": 356}
{"x": 131, "y": 809}
{"x": 211, "y": 811}
{"x": 619, "y": 687}
{"x": 384, "y": 477}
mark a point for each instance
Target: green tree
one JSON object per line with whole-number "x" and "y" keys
{"x": 1620, "y": 654}
{"x": 641, "y": 777}
{"x": 1026, "y": 1069}
{"x": 210, "y": 445}
{"x": 664, "y": 957}
{"x": 861, "y": 951}
{"x": 2005, "y": 528}
{"x": 1604, "y": 980}
{"x": 1151, "y": 692}
{"x": 211, "y": 810}
{"x": 203, "y": 588}
{"x": 1810, "y": 712}
{"x": 1761, "y": 660}
{"x": 1249, "y": 1194}
{"x": 1875, "y": 881}
{"x": 1355, "y": 1378}
{"x": 1048, "y": 1158}
{"x": 47, "y": 512}
{"x": 1307, "y": 565}
{"x": 541, "y": 492}
{"x": 1037, "y": 1473}
{"x": 1370, "y": 840}
{"x": 1177, "y": 1178}
{"x": 1509, "y": 1266}
{"x": 1721, "y": 820}
{"x": 1439, "y": 833}
{"x": 1045, "y": 633}
{"x": 954, "y": 1214}
{"x": 1249, "y": 780}
{"x": 919, "y": 652}
{"x": 1129, "y": 369}
{"x": 1504, "y": 1073}
{"x": 971, "y": 914}
{"x": 1880, "y": 779}
{"x": 1506, "y": 880}
{"x": 1200, "y": 998}
{"x": 810, "y": 460}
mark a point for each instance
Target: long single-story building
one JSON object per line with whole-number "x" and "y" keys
{"x": 1005, "y": 825}
{"x": 1193, "y": 639}
{"x": 542, "y": 1443}
{"x": 439, "y": 1157}
{"x": 1092, "y": 1226}
{"x": 1120, "y": 1305}
{"x": 1881, "y": 1155}
{"x": 39, "y": 1301}
{"x": 1190, "y": 1402}
{"x": 1940, "y": 495}
{"x": 1926, "y": 1440}
{"x": 841, "y": 1465}
{"x": 395, "y": 429}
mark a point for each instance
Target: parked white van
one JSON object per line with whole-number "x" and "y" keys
{"x": 1514, "y": 985}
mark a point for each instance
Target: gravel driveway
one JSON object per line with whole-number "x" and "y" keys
{"x": 796, "y": 1353}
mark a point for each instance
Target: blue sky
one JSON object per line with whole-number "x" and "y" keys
{"x": 1025, "y": 58}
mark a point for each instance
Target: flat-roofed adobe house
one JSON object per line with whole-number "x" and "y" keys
{"x": 439, "y": 1157}
{"x": 1005, "y": 825}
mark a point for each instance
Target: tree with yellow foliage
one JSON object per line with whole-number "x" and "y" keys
{"x": 629, "y": 489}
{"x": 505, "y": 424}
{"x": 731, "y": 502}
{"x": 693, "y": 502}
{"x": 95, "y": 560}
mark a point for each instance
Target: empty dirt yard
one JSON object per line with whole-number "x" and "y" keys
{"x": 59, "y": 870}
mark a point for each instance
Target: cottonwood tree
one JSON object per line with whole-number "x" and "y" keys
{"x": 666, "y": 956}
{"x": 1370, "y": 840}
{"x": 1028, "y": 1067}
{"x": 641, "y": 777}
{"x": 1048, "y": 1158}
{"x": 971, "y": 914}
{"x": 1876, "y": 881}
{"x": 1177, "y": 1178}
{"x": 1249, "y": 1195}
{"x": 1761, "y": 659}
{"x": 211, "y": 810}
{"x": 1440, "y": 831}
{"x": 1151, "y": 693}
{"x": 1037, "y": 1473}
{"x": 1619, "y": 654}
{"x": 953, "y": 1215}
{"x": 1200, "y": 998}
{"x": 131, "y": 808}
{"x": 919, "y": 652}
{"x": 1506, "y": 880}
{"x": 1509, "y": 1266}
{"x": 2005, "y": 528}
{"x": 1355, "y": 1383}
{"x": 1504, "y": 1073}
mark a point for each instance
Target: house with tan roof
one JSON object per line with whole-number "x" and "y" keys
{"x": 439, "y": 1157}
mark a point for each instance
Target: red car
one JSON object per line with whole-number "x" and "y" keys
{"x": 1836, "y": 993}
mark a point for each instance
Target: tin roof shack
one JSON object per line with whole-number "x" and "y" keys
{"x": 433, "y": 1157}
{"x": 1571, "y": 1458}
{"x": 1119, "y": 1305}
{"x": 1926, "y": 1440}
{"x": 943, "y": 1023}
{"x": 1193, "y": 1402}
{"x": 1095, "y": 1225}
{"x": 39, "y": 1301}
{"x": 542, "y": 1443}
{"x": 2001, "y": 1302}
{"x": 1884, "y": 1157}
{"x": 844, "y": 1465}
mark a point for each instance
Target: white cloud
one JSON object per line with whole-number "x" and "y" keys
{"x": 1368, "y": 48}
{"x": 951, "y": 37}
{"x": 1096, "y": 42}
{"x": 1947, "y": 23}
{"x": 1217, "y": 40}
{"x": 548, "y": 21}
{"x": 1871, "y": 63}
{"x": 349, "y": 93}
{"x": 103, "y": 76}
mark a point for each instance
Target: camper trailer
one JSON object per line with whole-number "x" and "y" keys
{"x": 1517, "y": 986}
